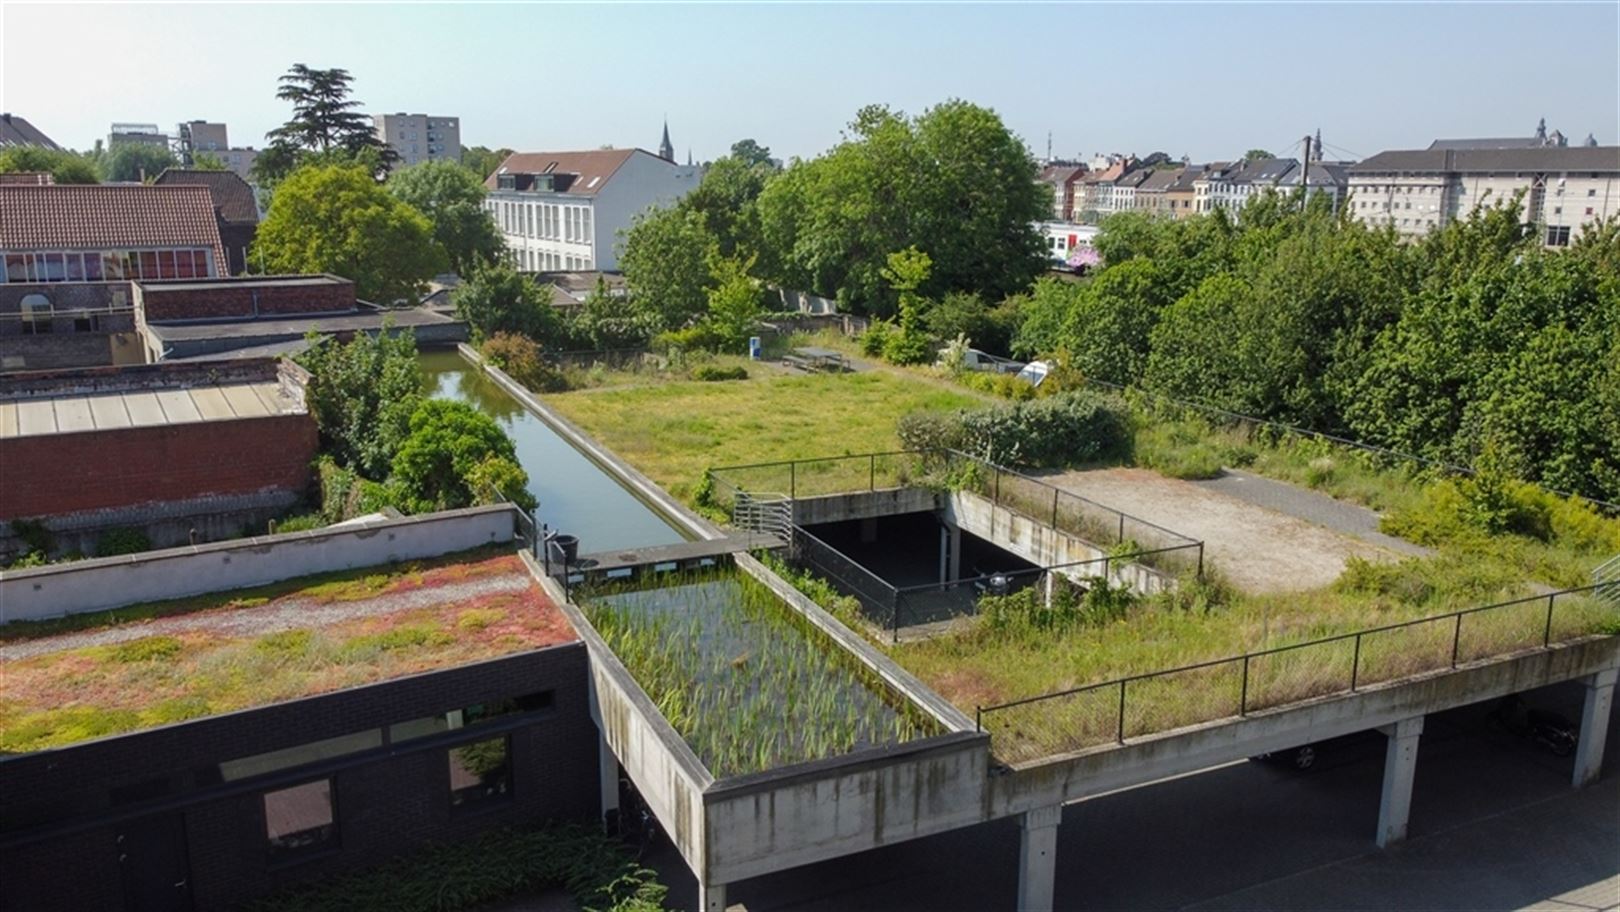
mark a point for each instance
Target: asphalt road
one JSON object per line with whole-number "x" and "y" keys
{"x": 1495, "y": 826}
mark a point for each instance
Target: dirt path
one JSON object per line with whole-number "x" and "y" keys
{"x": 1254, "y": 548}
{"x": 284, "y": 614}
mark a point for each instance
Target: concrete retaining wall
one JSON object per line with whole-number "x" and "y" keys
{"x": 813, "y": 511}
{"x": 113, "y": 582}
{"x": 1045, "y": 546}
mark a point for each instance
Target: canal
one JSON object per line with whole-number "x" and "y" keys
{"x": 576, "y": 496}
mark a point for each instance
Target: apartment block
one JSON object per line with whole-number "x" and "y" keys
{"x": 420, "y": 137}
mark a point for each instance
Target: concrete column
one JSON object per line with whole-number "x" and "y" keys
{"x": 608, "y": 774}
{"x": 1594, "y": 726}
{"x": 1050, "y": 574}
{"x": 956, "y": 553}
{"x": 711, "y": 897}
{"x": 1037, "y": 858}
{"x": 1400, "y": 765}
{"x": 944, "y": 554}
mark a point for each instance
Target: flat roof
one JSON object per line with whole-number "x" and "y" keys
{"x": 162, "y": 662}
{"x": 260, "y": 282}
{"x": 295, "y": 327}
{"x": 74, "y": 412}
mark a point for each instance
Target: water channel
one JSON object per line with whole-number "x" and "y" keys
{"x": 576, "y": 496}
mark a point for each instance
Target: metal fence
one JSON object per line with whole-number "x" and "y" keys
{"x": 1117, "y": 710}
{"x": 877, "y": 596}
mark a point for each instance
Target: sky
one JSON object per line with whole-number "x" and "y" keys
{"x": 1206, "y": 80}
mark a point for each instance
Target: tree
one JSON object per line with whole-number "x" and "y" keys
{"x": 207, "y": 161}
{"x": 326, "y": 128}
{"x": 136, "y": 162}
{"x": 451, "y": 448}
{"x": 499, "y": 299}
{"x": 666, "y": 265}
{"x": 482, "y": 161}
{"x": 726, "y": 201}
{"x": 329, "y": 218}
{"x": 64, "y": 167}
{"x": 1257, "y": 155}
{"x": 453, "y": 200}
{"x": 751, "y": 153}
{"x": 954, "y": 180}
{"x": 734, "y": 303}
{"x": 906, "y": 272}
{"x": 361, "y": 394}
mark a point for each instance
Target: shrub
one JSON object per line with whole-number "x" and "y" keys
{"x": 520, "y": 357}
{"x": 122, "y": 540}
{"x": 34, "y": 534}
{"x": 1007, "y": 386}
{"x": 907, "y": 346}
{"x": 699, "y": 337}
{"x": 147, "y": 649}
{"x": 1093, "y": 604}
{"x": 930, "y": 431}
{"x": 301, "y": 523}
{"x": 713, "y": 372}
{"x": 1070, "y": 429}
{"x": 876, "y": 337}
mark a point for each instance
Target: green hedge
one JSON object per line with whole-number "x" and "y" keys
{"x": 1064, "y": 430}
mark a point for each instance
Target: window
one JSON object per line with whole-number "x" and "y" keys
{"x": 1558, "y": 210}
{"x": 1588, "y": 210}
{"x": 309, "y": 752}
{"x": 1558, "y": 236}
{"x": 75, "y": 267}
{"x": 1591, "y": 193}
{"x": 36, "y": 314}
{"x": 299, "y": 820}
{"x": 92, "y": 267}
{"x": 480, "y": 772}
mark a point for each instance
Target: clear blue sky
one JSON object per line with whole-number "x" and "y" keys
{"x": 1208, "y": 80}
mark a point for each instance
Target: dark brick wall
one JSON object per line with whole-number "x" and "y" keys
{"x": 238, "y": 239}
{"x": 91, "y": 470}
{"x": 242, "y": 298}
{"x": 387, "y": 804}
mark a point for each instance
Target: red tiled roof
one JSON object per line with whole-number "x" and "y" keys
{"x": 232, "y": 195}
{"x": 598, "y": 164}
{"x": 108, "y": 217}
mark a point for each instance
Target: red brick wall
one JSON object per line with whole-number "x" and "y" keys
{"x": 236, "y": 299}
{"x": 66, "y": 473}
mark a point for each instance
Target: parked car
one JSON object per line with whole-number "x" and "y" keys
{"x": 1034, "y": 372}
{"x": 975, "y": 360}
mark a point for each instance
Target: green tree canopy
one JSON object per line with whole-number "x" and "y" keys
{"x": 751, "y": 153}
{"x": 954, "y": 182}
{"x": 329, "y": 218}
{"x": 482, "y": 161}
{"x": 666, "y": 260}
{"x": 1257, "y": 155}
{"x": 135, "y": 162}
{"x": 450, "y": 448}
{"x": 361, "y": 394}
{"x": 326, "y": 127}
{"x": 207, "y": 161}
{"x": 497, "y": 298}
{"x": 734, "y": 303}
{"x": 64, "y": 167}
{"x": 453, "y": 200}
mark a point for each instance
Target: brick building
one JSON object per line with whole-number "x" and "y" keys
{"x": 102, "y": 232}
{"x": 168, "y": 448}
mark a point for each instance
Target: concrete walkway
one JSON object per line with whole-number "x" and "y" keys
{"x": 1311, "y": 506}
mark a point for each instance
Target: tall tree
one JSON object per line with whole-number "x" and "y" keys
{"x": 482, "y": 161}
{"x": 1257, "y": 155}
{"x": 326, "y": 123}
{"x": 135, "y": 162}
{"x": 498, "y": 299}
{"x": 666, "y": 260}
{"x": 207, "y": 161}
{"x": 751, "y": 153}
{"x": 331, "y": 218}
{"x": 64, "y": 167}
{"x": 361, "y": 394}
{"x": 453, "y": 199}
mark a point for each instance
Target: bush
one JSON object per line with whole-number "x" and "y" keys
{"x": 1071, "y": 429}
{"x": 1178, "y": 450}
{"x": 907, "y": 347}
{"x": 930, "y": 430}
{"x": 876, "y": 337}
{"x": 122, "y": 540}
{"x": 1096, "y": 603}
{"x": 520, "y": 357}
{"x": 712, "y": 372}
{"x": 301, "y": 523}
{"x": 1007, "y": 386}
{"x": 701, "y": 337}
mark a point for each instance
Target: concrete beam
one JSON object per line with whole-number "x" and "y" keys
{"x": 711, "y": 897}
{"x": 1400, "y": 766}
{"x": 1594, "y": 726}
{"x": 1037, "y": 858}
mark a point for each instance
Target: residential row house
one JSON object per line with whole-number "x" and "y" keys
{"x": 1565, "y": 189}
{"x": 1062, "y": 180}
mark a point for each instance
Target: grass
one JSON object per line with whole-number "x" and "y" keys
{"x": 745, "y": 681}
{"x": 73, "y": 694}
{"x": 674, "y": 431}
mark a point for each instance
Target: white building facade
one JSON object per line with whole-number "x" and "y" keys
{"x": 1564, "y": 188}
{"x": 564, "y": 211}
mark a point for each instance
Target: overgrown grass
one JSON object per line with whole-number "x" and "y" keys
{"x": 72, "y": 694}
{"x": 745, "y": 680}
{"x": 342, "y": 585}
{"x": 674, "y": 431}
{"x": 597, "y": 871}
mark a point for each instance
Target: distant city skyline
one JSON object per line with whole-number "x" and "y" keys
{"x": 1208, "y": 81}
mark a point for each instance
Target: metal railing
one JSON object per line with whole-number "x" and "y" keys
{"x": 1117, "y": 710}
{"x": 876, "y": 595}
{"x": 1606, "y": 580}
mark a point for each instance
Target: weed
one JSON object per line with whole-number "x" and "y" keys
{"x": 147, "y": 649}
{"x": 475, "y": 619}
{"x": 285, "y": 645}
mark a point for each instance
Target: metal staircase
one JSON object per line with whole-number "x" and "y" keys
{"x": 1606, "y": 577}
{"x": 764, "y": 515}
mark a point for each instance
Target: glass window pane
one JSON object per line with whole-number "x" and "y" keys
{"x": 148, "y": 268}
{"x": 299, "y": 819}
{"x": 92, "y": 267}
{"x": 310, "y": 752}
{"x": 479, "y": 772}
{"x": 55, "y": 269}
{"x": 75, "y": 267}
{"x": 183, "y": 264}
{"x": 166, "y": 266}
{"x": 16, "y": 267}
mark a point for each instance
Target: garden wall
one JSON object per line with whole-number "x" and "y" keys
{"x": 112, "y": 582}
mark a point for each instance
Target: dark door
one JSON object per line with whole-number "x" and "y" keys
{"x": 156, "y": 870}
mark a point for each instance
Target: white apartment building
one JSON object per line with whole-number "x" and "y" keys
{"x": 1416, "y": 191}
{"x": 420, "y": 137}
{"x": 1123, "y": 197}
{"x": 1233, "y": 188}
{"x": 563, "y": 211}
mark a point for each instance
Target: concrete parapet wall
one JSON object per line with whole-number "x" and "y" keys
{"x": 114, "y": 582}
{"x": 831, "y": 508}
{"x": 1045, "y": 546}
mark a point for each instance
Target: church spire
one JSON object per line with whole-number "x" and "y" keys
{"x": 666, "y": 151}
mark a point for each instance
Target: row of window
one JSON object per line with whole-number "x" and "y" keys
{"x": 97, "y": 266}
{"x": 548, "y": 221}
{"x": 301, "y": 820}
{"x": 547, "y": 261}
